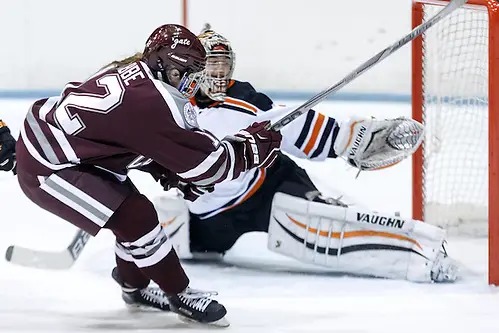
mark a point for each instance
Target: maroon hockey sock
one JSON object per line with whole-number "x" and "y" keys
{"x": 135, "y": 218}
{"x": 131, "y": 275}
{"x": 168, "y": 274}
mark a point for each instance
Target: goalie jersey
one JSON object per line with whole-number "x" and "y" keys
{"x": 310, "y": 136}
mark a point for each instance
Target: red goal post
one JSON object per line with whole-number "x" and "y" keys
{"x": 455, "y": 93}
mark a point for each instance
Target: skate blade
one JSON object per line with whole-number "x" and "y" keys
{"x": 143, "y": 308}
{"x": 221, "y": 323}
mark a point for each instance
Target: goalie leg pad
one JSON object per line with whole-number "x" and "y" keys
{"x": 173, "y": 215}
{"x": 322, "y": 234}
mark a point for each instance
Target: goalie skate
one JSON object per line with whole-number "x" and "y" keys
{"x": 444, "y": 269}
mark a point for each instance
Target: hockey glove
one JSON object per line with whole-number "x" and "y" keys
{"x": 192, "y": 192}
{"x": 165, "y": 177}
{"x": 7, "y": 149}
{"x": 169, "y": 180}
{"x": 372, "y": 144}
{"x": 260, "y": 146}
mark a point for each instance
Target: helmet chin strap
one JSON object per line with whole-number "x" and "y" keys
{"x": 159, "y": 73}
{"x": 160, "y": 77}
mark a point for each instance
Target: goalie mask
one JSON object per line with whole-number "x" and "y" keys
{"x": 220, "y": 63}
{"x": 175, "y": 56}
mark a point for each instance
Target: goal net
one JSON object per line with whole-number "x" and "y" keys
{"x": 452, "y": 77}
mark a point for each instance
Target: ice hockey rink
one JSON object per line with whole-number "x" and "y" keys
{"x": 263, "y": 291}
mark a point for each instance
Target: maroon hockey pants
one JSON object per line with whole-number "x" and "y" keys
{"x": 92, "y": 199}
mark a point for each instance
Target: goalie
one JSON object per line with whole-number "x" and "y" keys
{"x": 283, "y": 201}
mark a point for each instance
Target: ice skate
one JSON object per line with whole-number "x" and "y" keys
{"x": 197, "y": 306}
{"x": 147, "y": 298}
{"x": 444, "y": 269}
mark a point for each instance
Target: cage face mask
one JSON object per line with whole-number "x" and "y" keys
{"x": 220, "y": 65}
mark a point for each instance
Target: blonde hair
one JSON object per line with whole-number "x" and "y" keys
{"x": 128, "y": 60}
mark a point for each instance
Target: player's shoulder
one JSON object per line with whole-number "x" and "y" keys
{"x": 244, "y": 97}
{"x": 132, "y": 75}
{"x": 123, "y": 77}
{"x": 139, "y": 81}
{"x": 147, "y": 97}
{"x": 128, "y": 84}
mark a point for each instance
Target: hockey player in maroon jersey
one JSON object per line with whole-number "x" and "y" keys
{"x": 75, "y": 149}
{"x": 7, "y": 149}
{"x": 279, "y": 200}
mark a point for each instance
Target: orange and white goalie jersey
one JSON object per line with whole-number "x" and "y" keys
{"x": 311, "y": 136}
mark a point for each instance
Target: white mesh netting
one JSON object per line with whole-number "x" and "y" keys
{"x": 455, "y": 112}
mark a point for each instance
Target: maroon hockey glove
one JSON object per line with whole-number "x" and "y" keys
{"x": 261, "y": 146}
{"x": 169, "y": 180}
{"x": 192, "y": 192}
{"x": 7, "y": 149}
{"x": 165, "y": 177}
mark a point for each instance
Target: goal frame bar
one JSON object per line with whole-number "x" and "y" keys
{"x": 492, "y": 7}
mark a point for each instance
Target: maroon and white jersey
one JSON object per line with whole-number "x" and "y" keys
{"x": 123, "y": 118}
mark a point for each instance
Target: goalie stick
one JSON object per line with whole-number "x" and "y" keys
{"x": 49, "y": 260}
{"x": 305, "y": 107}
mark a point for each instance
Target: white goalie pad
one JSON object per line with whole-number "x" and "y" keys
{"x": 173, "y": 215}
{"x": 355, "y": 241}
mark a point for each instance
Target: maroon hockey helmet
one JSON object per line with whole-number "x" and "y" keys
{"x": 176, "y": 56}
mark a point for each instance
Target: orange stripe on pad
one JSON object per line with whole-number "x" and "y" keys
{"x": 359, "y": 233}
{"x": 164, "y": 224}
{"x": 240, "y": 103}
{"x": 315, "y": 133}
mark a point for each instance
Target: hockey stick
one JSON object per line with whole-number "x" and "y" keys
{"x": 305, "y": 107}
{"x": 50, "y": 260}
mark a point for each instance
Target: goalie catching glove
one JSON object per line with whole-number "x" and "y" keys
{"x": 371, "y": 144}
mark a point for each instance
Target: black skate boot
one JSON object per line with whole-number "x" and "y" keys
{"x": 149, "y": 297}
{"x": 198, "y": 306}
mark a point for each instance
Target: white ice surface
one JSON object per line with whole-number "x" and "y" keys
{"x": 263, "y": 291}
